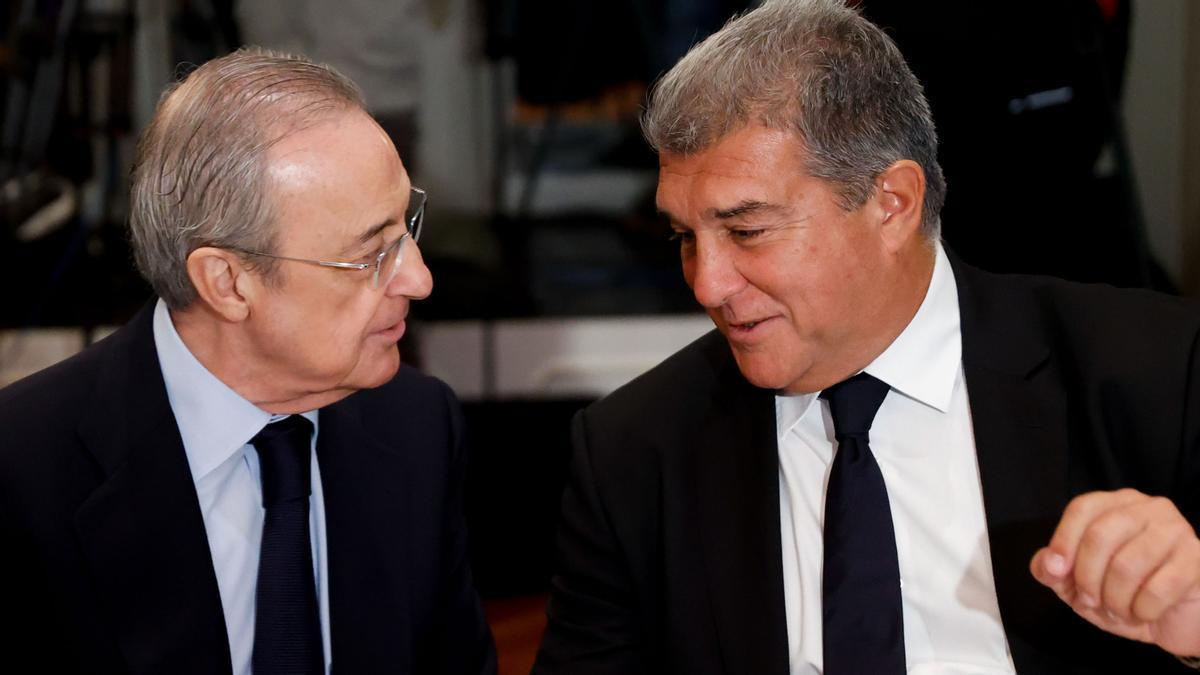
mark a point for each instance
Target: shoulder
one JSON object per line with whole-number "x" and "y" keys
{"x": 1103, "y": 303}
{"x": 41, "y": 449}
{"x": 56, "y": 394}
{"x": 647, "y": 429}
{"x": 677, "y": 388}
{"x": 1090, "y": 319}
{"x": 414, "y": 411}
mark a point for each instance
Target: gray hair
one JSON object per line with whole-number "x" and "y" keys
{"x": 815, "y": 68}
{"x": 199, "y": 173}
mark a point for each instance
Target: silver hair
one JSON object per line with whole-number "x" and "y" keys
{"x": 815, "y": 68}
{"x": 199, "y": 173}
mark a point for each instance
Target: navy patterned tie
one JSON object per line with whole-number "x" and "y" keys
{"x": 863, "y": 619}
{"x": 287, "y": 628}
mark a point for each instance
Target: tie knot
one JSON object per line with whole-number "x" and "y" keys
{"x": 285, "y": 459}
{"x": 853, "y": 404}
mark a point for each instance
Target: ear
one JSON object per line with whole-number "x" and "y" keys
{"x": 222, "y": 282}
{"x": 900, "y": 195}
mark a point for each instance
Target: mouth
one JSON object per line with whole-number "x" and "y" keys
{"x": 744, "y": 330}
{"x": 392, "y": 333}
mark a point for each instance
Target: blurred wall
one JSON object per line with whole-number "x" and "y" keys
{"x": 457, "y": 135}
{"x": 1161, "y": 120}
{"x": 1191, "y": 173}
{"x": 1154, "y": 108}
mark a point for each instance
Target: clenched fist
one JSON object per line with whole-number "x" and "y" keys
{"x": 1130, "y": 564}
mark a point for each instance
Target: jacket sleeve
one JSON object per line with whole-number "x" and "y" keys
{"x": 593, "y": 623}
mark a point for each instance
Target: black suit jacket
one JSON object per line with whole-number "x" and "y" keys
{"x": 106, "y": 565}
{"x": 669, "y": 547}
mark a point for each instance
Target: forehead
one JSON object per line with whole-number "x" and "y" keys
{"x": 339, "y": 152}
{"x": 752, "y": 163}
{"x": 336, "y": 177}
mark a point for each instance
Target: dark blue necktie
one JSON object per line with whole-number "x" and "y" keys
{"x": 863, "y": 619}
{"x": 287, "y": 628}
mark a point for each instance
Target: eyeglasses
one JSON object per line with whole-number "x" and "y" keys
{"x": 387, "y": 261}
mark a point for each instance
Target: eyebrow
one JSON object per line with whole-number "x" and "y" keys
{"x": 368, "y": 235}
{"x": 743, "y": 208}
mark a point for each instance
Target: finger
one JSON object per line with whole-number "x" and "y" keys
{"x": 1051, "y": 570}
{"x": 1080, "y": 513}
{"x": 1133, "y": 565}
{"x": 1175, "y": 580}
{"x": 1104, "y": 536}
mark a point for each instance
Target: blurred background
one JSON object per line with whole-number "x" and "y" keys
{"x": 1070, "y": 139}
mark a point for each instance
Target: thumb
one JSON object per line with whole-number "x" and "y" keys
{"x": 1051, "y": 569}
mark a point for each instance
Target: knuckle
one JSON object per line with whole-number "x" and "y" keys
{"x": 1127, "y": 566}
{"x": 1148, "y": 605}
{"x": 1077, "y": 508}
{"x": 1161, "y": 505}
{"x": 1102, "y": 536}
{"x": 1191, "y": 549}
{"x": 1164, "y": 534}
{"x": 1159, "y": 591}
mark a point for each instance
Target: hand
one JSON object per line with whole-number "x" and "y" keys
{"x": 1130, "y": 564}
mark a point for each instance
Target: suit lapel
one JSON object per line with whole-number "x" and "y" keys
{"x": 1021, "y": 448}
{"x": 365, "y": 524}
{"x": 141, "y": 530}
{"x": 736, "y": 482}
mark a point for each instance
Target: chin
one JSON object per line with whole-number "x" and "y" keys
{"x": 765, "y": 373}
{"x": 758, "y": 374}
{"x": 386, "y": 368}
{"x": 375, "y": 371}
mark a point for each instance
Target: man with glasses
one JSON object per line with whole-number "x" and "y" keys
{"x": 245, "y": 479}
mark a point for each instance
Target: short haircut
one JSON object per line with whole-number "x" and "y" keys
{"x": 815, "y": 68}
{"x": 199, "y": 174}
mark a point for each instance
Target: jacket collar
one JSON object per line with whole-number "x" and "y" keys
{"x": 366, "y": 522}
{"x": 735, "y": 479}
{"x": 141, "y": 530}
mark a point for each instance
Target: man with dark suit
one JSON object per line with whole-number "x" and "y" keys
{"x": 883, "y": 460}
{"x": 244, "y": 478}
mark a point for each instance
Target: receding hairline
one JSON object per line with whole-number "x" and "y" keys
{"x": 197, "y": 178}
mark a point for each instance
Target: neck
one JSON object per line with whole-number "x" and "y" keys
{"x": 223, "y": 348}
{"x": 892, "y": 312}
{"x": 910, "y": 284}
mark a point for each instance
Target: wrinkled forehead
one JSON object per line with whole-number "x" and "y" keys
{"x": 752, "y": 163}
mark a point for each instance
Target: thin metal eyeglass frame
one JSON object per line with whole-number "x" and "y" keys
{"x": 413, "y": 224}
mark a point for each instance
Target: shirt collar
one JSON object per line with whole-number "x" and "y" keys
{"x": 921, "y": 363}
{"x": 214, "y": 421}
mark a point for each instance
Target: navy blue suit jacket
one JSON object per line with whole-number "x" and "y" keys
{"x": 106, "y": 565}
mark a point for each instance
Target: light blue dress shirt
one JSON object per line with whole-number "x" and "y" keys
{"x": 216, "y": 425}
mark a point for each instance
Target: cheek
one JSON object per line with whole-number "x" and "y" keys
{"x": 337, "y": 326}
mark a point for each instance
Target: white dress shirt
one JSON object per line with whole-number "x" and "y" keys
{"x": 924, "y": 444}
{"x": 216, "y": 425}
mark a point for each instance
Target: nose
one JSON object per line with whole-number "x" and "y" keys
{"x": 412, "y": 279}
{"x": 712, "y": 275}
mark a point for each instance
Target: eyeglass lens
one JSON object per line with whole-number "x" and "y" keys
{"x": 415, "y": 216}
{"x": 390, "y": 262}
